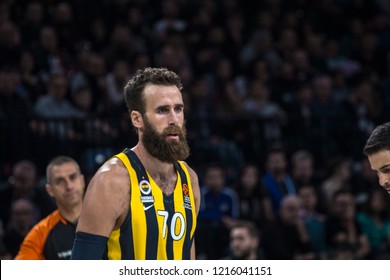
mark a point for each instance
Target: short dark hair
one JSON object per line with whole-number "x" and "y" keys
{"x": 60, "y": 160}
{"x": 379, "y": 140}
{"x": 135, "y": 86}
{"x": 249, "y": 225}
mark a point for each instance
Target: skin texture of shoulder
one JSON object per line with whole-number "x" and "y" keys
{"x": 106, "y": 200}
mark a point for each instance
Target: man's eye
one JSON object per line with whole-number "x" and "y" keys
{"x": 162, "y": 110}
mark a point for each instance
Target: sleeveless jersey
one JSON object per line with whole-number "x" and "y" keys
{"x": 157, "y": 227}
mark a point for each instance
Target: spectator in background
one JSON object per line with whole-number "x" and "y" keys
{"x": 255, "y": 204}
{"x": 344, "y": 235}
{"x": 122, "y": 44}
{"x": 50, "y": 58}
{"x": 169, "y": 19}
{"x": 327, "y": 117}
{"x": 15, "y": 111}
{"x": 304, "y": 172}
{"x": 303, "y": 168}
{"x": 12, "y": 104}
{"x": 4, "y": 254}
{"x": 300, "y": 117}
{"x": 218, "y": 213}
{"x": 54, "y": 128}
{"x": 277, "y": 181}
{"x": 91, "y": 75}
{"x": 375, "y": 223}
{"x": 302, "y": 66}
{"x": 244, "y": 242}
{"x": 286, "y": 238}
{"x": 30, "y": 86}
{"x": 257, "y": 103}
{"x": 55, "y": 105}
{"x": 97, "y": 35}
{"x": 314, "y": 221}
{"x": 65, "y": 25}
{"x": 363, "y": 107}
{"x": 52, "y": 238}
{"x": 82, "y": 99}
{"x": 10, "y": 46}
{"x": 338, "y": 178}
{"x": 116, "y": 80}
{"x": 94, "y": 131}
{"x": 57, "y": 111}
{"x": 23, "y": 183}
{"x": 23, "y": 217}
{"x": 33, "y": 21}
{"x": 363, "y": 180}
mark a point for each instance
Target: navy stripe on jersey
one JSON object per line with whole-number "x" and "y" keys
{"x": 126, "y": 239}
{"x": 187, "y": 240}
{"x": 152, "y": 224}
{"x": 105, "y": 254}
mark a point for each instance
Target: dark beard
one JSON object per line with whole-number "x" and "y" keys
{"x": 162, "y": 148}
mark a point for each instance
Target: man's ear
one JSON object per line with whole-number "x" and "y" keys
{"x": 136, "y": 119}
{"x": 49, "y": 190}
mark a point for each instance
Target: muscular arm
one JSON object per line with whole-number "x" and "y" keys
{"x": 196, "y": 192}
{"x": 105, "y": 205}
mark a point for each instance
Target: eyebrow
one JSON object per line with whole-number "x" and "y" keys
{"x": 66, "y": 176}
{"x": 384, "y": 166}
{"x": 181, "y": 105}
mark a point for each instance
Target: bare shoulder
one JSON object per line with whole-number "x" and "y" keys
{"x": 192, "y": 173}
{"x": 112, "y": 177}
{"x": 106, "y": 199}
{"x": 195, "y": 185}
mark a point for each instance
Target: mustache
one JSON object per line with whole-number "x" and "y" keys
{"x": 174, "y": 129}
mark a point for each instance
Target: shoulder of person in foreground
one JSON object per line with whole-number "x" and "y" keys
{"x": 195, "y": 185}
{"x": 106, "y": 199}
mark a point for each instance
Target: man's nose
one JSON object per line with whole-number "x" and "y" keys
{"x": 383, "y": 180}
{"x": 173, "y": 118}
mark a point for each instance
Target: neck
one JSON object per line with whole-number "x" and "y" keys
{"x": 253, "y": 256}
{"x": 153, "y": 165}
{"x": 163, "y": 173}
{"x": 70, "y": 213}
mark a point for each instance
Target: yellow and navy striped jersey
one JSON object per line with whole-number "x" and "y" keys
{"x": 158, "y": 226}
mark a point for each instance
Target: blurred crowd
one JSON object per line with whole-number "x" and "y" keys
{"x": 280, "y": 97}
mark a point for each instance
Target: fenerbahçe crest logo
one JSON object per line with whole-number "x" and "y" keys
{"x": 145, "y": 187}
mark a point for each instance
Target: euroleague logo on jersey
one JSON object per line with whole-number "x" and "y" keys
{"x": 187, "y": 200}
{"x": 145, "y": 187}
{"x": 186, "y": 190}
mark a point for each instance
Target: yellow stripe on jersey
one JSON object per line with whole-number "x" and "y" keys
{"x": 114, "y": 250}
{"x": 179, "y": 202}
